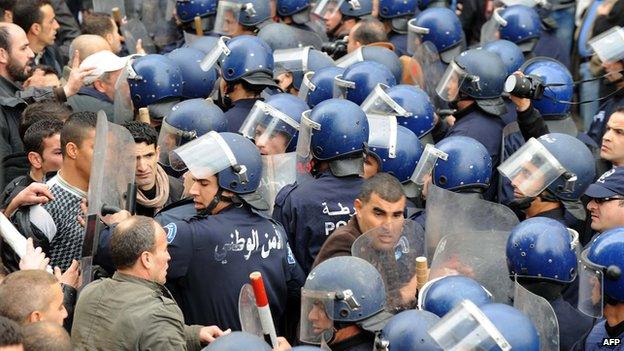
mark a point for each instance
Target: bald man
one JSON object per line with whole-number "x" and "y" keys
{"x": 16, "y": 59}
{"x": 88, "y": 44}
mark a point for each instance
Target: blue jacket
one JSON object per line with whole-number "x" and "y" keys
{"x": 311, "y": 211}
{"x": 236, "y": 115}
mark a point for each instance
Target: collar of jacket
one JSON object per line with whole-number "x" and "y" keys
{"x": 8, "y": 88}
{"x": 122, "y": 277}
{"x": 384, "y": 44}
{"x": 91, "y": 91}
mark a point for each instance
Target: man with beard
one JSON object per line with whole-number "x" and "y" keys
{"x": 16, "y": 60}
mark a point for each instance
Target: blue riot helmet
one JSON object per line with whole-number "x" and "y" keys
{"x": 187, "y": 10}
{"x": 318, "y": 86}
{"x": 477, "y": 75}
{"x": 441, "y": 295}
{"x": 236, "y": 341}
{"x": 407, "y": 330}
{"x": 242, "y": 58}
{"x": 425, "y": 4}
{"x": 359, "y": 80}
{"x": 235, "y": 17}
{"x": 542, "y": 248}
{"x": 376, "y": 54}
{"x": 521, "y": 25}
{"x": 442, "y": 28}
{"x": 292, "y": 64}
{"x": 187, "y": 121}
{"x": 205, "y": 43}
{"x": 559, "y": 85}
{"x": 291, "y": 7}
{"x": 335, "y": 130}
{"x": 274, "y": 124}
{"x": 600, "y": 273}
{"x": 197, "y": 83}
{"x": 152, "y": 79}
{"x": 356, "y": 8}
{"x": 396, "y": 149}
{"x": 418, "y": 105}
{"x": 559, "y": 163}
{"x": 339, "y": 292}
{"x": 232, "y": 158}
{"x": 493, "y": 327}
{"x": 397, "y": 13}
{"x": 468, "y": 166}
{"x": 509, "y": 52}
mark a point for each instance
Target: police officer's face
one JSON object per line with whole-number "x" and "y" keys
{"x": 614, "y": 69}
{"x": 146, "y": 165}
{"x": 160, "y": 262}
{"x": 332, "y": 19}
{"x": 530, "y": 178}
{"x": 272, "y": 144}
{"x": 376, "y": 212}
{"x": 48, "y": 25}
{"x": 320, "y": 320}
{"x": 371, "y": 166}
{"x": 612, "y": 148}
{"x": 203, "y": 191}
{"x": 55, "y": 311}
{"x": 606, "y": 214}
{"x": 285, "y": 81}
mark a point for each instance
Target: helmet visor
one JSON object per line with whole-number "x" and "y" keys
{"x": 414, "y": 36}
{"x": 307, "y": 128}
{"x": 226, "y": 21}
{"x": 426, "y": 163}
{"x": 326, "y": 8}
{"x": 265, "y": 124}
{"x": 306, "y": 86}
{"x": 590, "y": 300}
{"x": 448, "y": 87}
{"x": 204, "y": 156}
{"x": 209, "y": 61}
{"x": 317, "y": 309}
{"x": 467, "y": 328}
{"x": 170, "y": 138}
{"x": 351, "y": 58}
{"x": 378, "y": 102}
{"x": 532, "y": 168}
{"x": 290, "y": 60}
{"x": 609, "y": 46}
{"x": 341, "y": 87}
{"x": 382, "y": 133}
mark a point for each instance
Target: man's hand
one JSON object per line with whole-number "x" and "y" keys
{"x": 34, "y": 194}
{"x": 282, "y": 344}
{"x": 209, "y": 334}
{"x": 522, "y": 104}
{"x": 34, "y": 258}
{"x": 116, "y": 218}
{"x": 139, "y": 47}
{"x": 71, "y": 276}
{"x": 76, "y": 76}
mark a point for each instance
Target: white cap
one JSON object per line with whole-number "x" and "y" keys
{"x": 103, "y": 61}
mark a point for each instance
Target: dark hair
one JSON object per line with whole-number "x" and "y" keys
{"x": 383, "y": 184}
{"x": 45, "y": 336}
{"x": 41, "y": 111}
{"x": 620, "y": 109}
{"x": 35, "y": 134}
{"x": 76, "y": 128}
{"x": 45, "y": 68}
{"x": 142, "y": 132}
{"x": 28, "y": 12}
{"x": 98, "y": 23}
{"x": 10, "y": 334}
{"x": 23, "y": 292}
{"x": 5, "y": 38}
{"x": 370, "y": 31}
{"x": 130, "y": 239}
{"x": 7, "y": 5}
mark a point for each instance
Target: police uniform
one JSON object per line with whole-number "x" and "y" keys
{"x": 400, "y": 43}
{"x": 311, "y": 211}
{"x": 237, "y": 114}
{"x": 599, "y": 123}
{"x": 212, "y": 257}
{"x": 572, "y": 323}
{"x": 602, "y": 339}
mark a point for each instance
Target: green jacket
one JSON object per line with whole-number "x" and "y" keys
{"x": 129, "y": 313}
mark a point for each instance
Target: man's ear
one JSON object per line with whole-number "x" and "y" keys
{"x": 99, "y": 86}
{"x": 35, "y": 29}
{"x": 71, "y": 150}
{"x": 34, "y": 316}
{"x": 157, "y": 152}
{"x": 357, "y": 204}
{"x": 8, "y": 16}
{"x": 35, "y": 159}
{"x": 146, "y": 260}
{"x": 4, "y": 56}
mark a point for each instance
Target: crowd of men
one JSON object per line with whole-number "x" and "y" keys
{"x": 402, "y": 174}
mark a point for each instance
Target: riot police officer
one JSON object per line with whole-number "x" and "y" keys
{"x": 241, "y": 17}
{"x": 332, "y": 138}
{"x": 395, "y": 14}
{"x": 197, "y": 82}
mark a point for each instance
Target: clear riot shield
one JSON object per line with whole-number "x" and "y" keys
{"x": 307, "y": 128}
{"x": 110, "y": 184}
{"x": 107, "y": 6}
{"x": 123, "y": 108}
{"x": 155, "y": 18}
{"x": 277, "y": 171}
{"x": 132, "y": 31}
{"x": 467, "y": 235}
{"x": 431, "y": 69}
{"x": 393, "y": 248}
{"x": 248, "y": 312}
{"x": 541, "y": 314}
{"x": 489, "y": 30}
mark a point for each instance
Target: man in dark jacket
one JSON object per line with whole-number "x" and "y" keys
{"x": 156, "y": 189}
{"x": 380, "y": 201}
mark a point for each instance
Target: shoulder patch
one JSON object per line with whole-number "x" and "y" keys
{"x": 291, "y": 257}
{"x": 172, "y": 230}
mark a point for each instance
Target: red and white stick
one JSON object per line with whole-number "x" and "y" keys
{"x": 262, "y": 302}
